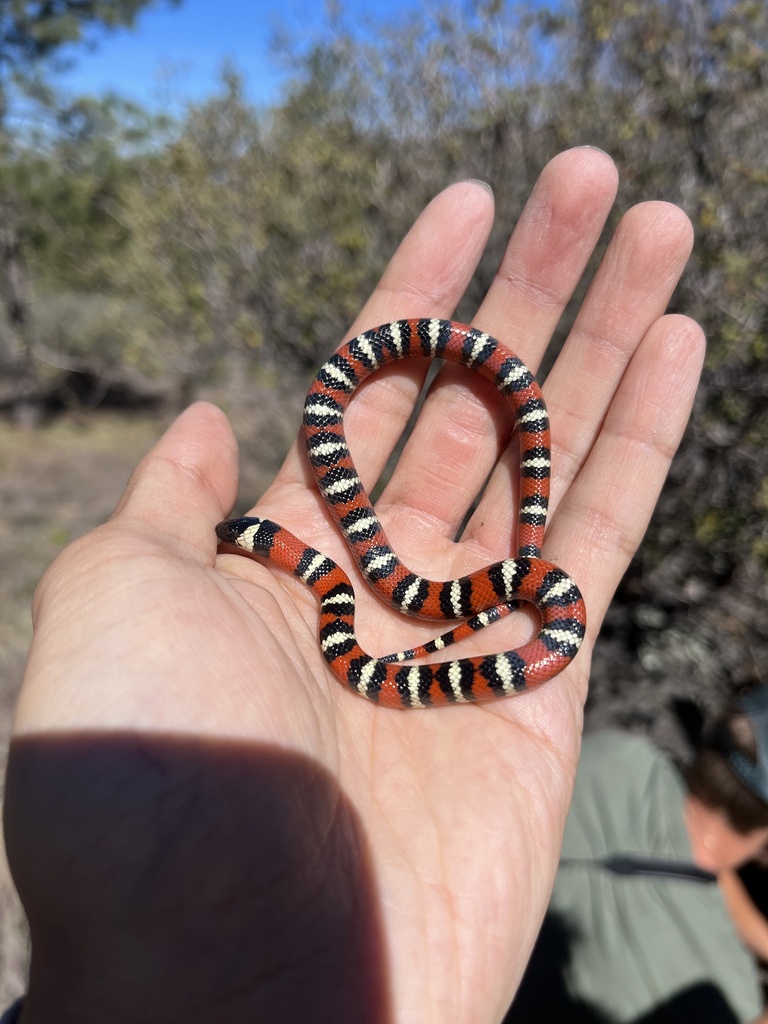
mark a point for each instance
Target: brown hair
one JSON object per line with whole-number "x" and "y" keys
{"x": 711, "y": 779}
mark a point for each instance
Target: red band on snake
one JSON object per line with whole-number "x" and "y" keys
{"x": 483, "y": 596}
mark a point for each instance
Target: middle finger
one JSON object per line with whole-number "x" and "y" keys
{"x": 464, "y": 421}
{"x": 631, "y": 289}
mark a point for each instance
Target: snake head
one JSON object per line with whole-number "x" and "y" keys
{"x": 249, "y": 533}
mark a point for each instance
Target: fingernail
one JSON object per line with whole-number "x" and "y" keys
{"x": 479, "y": 181}
{"x": 596, "y": 149}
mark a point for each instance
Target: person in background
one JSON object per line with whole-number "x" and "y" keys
{"x": 649, "y": 919}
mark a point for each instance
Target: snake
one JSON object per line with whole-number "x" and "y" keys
{"x": 477, "y": 599}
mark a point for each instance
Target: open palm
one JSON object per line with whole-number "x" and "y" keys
{"x": 200, "y": 820}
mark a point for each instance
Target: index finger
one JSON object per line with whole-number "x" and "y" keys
{"x": 426, "y": 277}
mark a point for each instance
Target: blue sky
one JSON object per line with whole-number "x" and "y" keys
{"x": 189, "y": 43}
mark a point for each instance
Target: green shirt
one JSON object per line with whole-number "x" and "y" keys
{"x": 632, "y": 944}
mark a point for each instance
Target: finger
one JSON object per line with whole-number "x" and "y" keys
{"x": 188, "y": 482}
{"x": 631, "y": 289}
{"x": 426, "y": 277}
{"x": 602, "y": 519}
{"x": 549, "y": 251}
{"x": 465, "y": 422}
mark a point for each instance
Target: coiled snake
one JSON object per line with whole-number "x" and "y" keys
{"x": 481, "y": 597}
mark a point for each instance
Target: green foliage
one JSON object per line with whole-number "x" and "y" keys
{"x": 48, "y": 202}
{"x": 71, "y": 188}
{"x": 193, "y": 212}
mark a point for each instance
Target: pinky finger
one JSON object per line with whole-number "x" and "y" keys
{"x": 603, "y": 517}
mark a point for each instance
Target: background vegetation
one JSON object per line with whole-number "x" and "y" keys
{"x": 145, "y": 260}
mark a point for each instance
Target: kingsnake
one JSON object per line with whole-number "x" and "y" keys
{"x": 484, "y": 596}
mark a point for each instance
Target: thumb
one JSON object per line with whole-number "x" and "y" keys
{"x": 187, "y": 482}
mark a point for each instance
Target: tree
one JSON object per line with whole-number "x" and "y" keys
{"x": 33, "y": 34}
{"x": 257, "y": 231}
{"x": 196, "y": 210}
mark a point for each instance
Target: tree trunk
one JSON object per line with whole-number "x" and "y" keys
{"x": 19, "y": 391}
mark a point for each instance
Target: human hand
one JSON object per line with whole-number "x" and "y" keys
{"x": 203, "y": 825}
